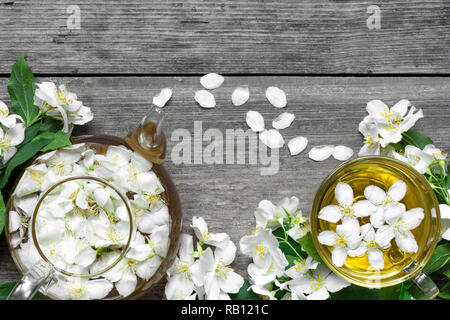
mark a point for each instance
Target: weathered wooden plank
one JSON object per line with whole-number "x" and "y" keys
{"x": 328, "y": 111}
{"x": 233, "y": 37}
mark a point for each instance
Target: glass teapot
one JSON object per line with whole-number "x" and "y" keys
{"x": 97, "y": 220}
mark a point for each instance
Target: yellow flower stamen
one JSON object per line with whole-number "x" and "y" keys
{"x": 317, "y": 282}
{"x": 222, "y": 270}
{"x": 260, "y": 251}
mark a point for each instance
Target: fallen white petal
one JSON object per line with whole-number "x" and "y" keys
{"x": 205, "y": 99}
{"x": 342, "y": 153}
{"x": 321, "y": 153}
{"x": 163, "y": 96}
{"x": 297, "y": 145}
{"x": 271, "y": 138}
{"x": 283, "y": 121}
{"x": 255, "y": 121}
{"x": 211, "y": 80}
{"x": 276, "y": 97}
{"x": 240, "y": 95}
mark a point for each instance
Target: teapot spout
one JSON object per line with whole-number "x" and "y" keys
{"x": 148, "y": 138}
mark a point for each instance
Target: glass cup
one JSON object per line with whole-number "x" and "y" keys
{"x": 45, "y": 271}
{"x": 399, "y": 266}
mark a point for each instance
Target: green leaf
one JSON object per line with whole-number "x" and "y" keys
{"x": 444, "y": 292}
{"x": 404, "y": 293}
{"x": 354, "y": 292}
{"x": 308, "y": 245}
{"x": 2, "y": 213}
{"x": 415, "y": 138}
{"x": 291, "y": 248}
{"x": 60, "y": 139}
{"x": 31, "y": 132}
{"x": 448, "y": 177}
{"x": 51, "y": 126}
{"x": 21, "y": 87}
{"x": 244, "y": 293}
{"x": 390, "y": 293}
{"x": 24, "y": 154}
{"x": 439, "y": 258}
{"x": 399, "y": 147}
{"x": 445, "y": 270}
{"x": 6, "y": 288}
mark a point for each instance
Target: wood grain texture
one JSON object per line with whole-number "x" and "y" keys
{"x": 232, "y": 37}
{"x": 327, "y": 109}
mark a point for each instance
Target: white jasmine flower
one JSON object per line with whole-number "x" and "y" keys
{"x": 150, "y": 189}
{"x": 213, "y": 271}
{"x": 16, "y": 228}
{"x": 299, "y": 226}
{"x": 271, "y": 216}
{"x": 60, "y": 102}
{"x": 317, "y": 283}
{"x": 392, "y": 122}
{"x": 269, "y": 261}
{"x": 149, "y": 220}
{"x": 346, "y": 209}
{"x": 371, "y": 139}
{"x": 102, "y": 233}
{"x": 25, "y": 205}
{"x": 140, "y": 261}
{"x": 263, "y": 291}
{"x": 81, "y": 289}
{"x": 9, "y": 139}
{"x": 437, "y": 153}
{"x": 301, "y": 266}
{"x": 180, "y": 290}
{"x": 371, "y": 247}
{"x": 415, "y": 157}
{"x": 27, "y": 254}
{"x": 240, "y": 95}
{"x": 201, "y": 231}
{"x": 399, "y": 224}
{"x": 180, "y": 285}
{"x": 6, "y": 119}
{"x": 347, "y": 237}
{"x": 384, "y": 200}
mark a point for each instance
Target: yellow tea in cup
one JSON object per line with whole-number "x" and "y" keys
{"x": 381, "y": 172}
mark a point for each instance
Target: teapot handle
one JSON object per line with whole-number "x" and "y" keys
{"x": 37, "y": 276}
{"x": 423, "y": 287}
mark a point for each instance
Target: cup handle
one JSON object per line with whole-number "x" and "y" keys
{"x": 37, "y": 276}
{"x": 423, "y": 288}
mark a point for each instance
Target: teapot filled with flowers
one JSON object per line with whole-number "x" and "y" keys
{"x": 88, "y": 217}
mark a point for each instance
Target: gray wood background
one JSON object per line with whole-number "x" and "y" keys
{"x": 320, "y": 52}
